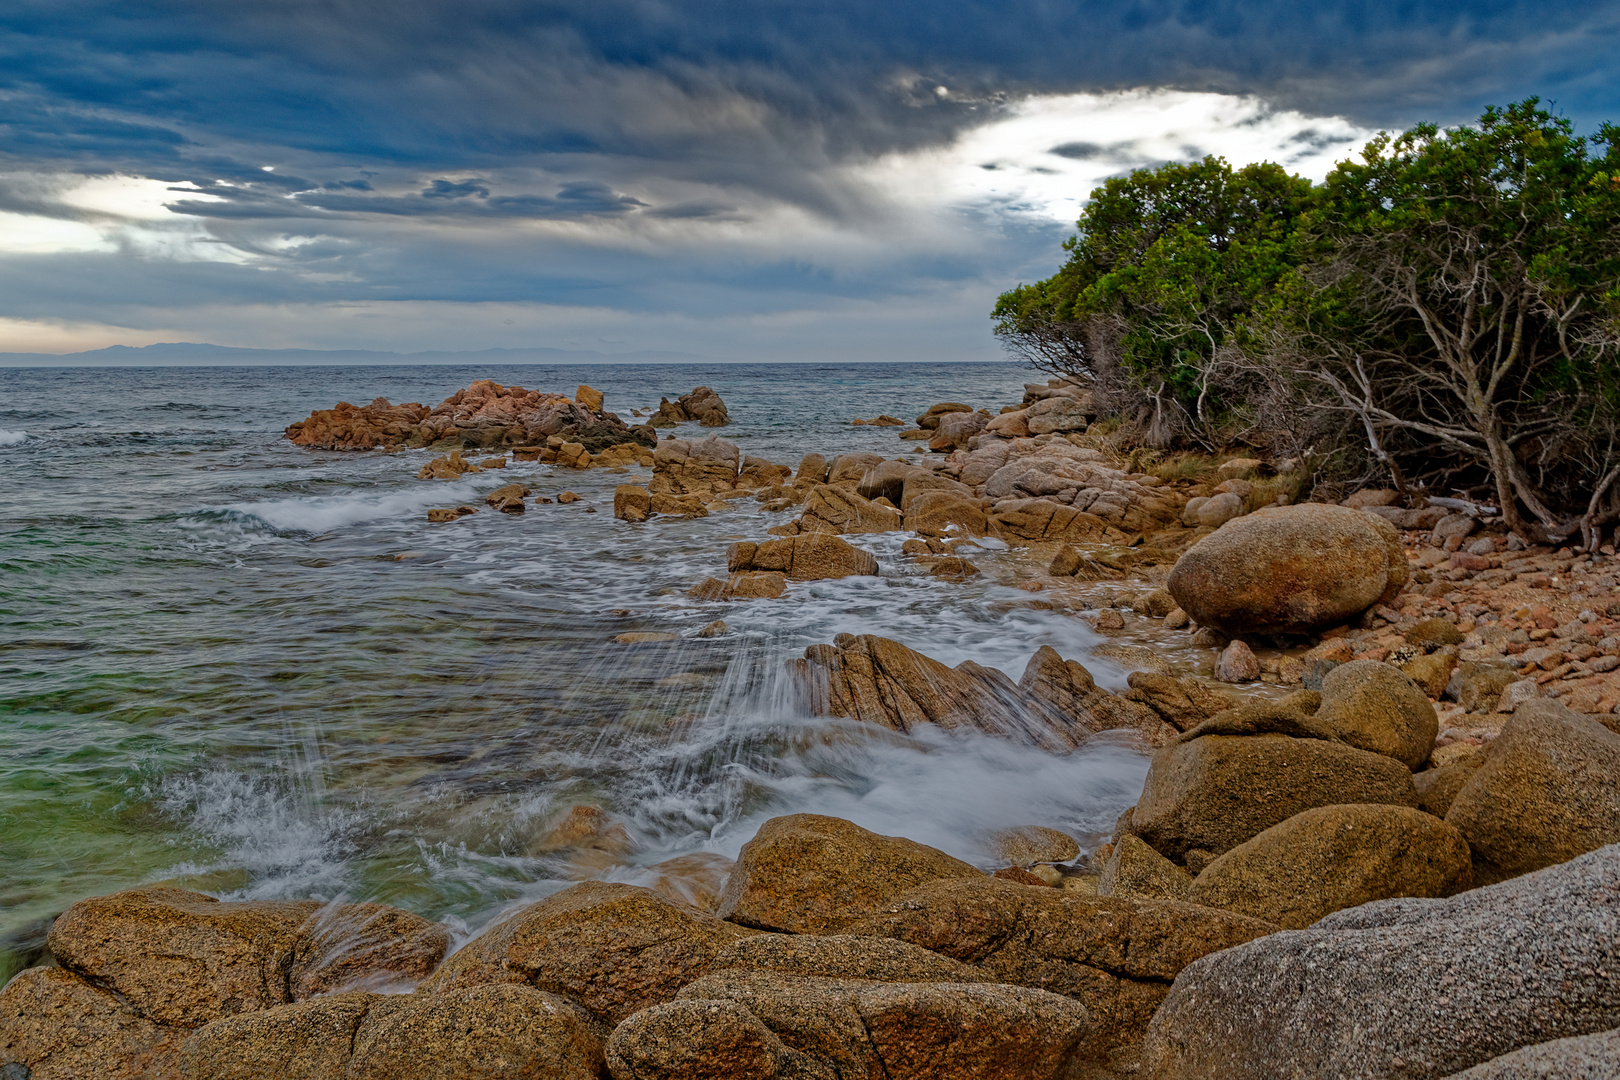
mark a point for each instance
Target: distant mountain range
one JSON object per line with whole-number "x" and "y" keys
{"x": 194, "y": 354}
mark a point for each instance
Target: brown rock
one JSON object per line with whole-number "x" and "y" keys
{"x": 585, "y": 826}
{"x": 694, "y": 466}
{"x": 589, "y": 398}
{"x": 1376, "y": 707}
{"x": 567, "y": 497}
{"x": 1433, "y": 633}
{"x": 631, "y": 503}
{"x": 366, "y": 427}
{"x": 952, "y": 568}
{"x": 1547, "y": 791}
{"x": 955, "y": 429}
{"x": 449, "y": 467}
{"x": 941, "y": 513}
{"x": 930, "y": 419}
{"x": 1480, "y": 683}
{"x": 1263, "y": 718}
{"x": 812, "y": 470}
{"x": 479, "y": 1032}
{"x": 1237, "y": 664}
{"x": 805, "y": 873}
{"x": 1437, "y": 787}
{"x": 830, "y": 509}
{"x": 695, "y": 880}
{"x": 839, "y": 956}
{"x": 1431, "y": 673}
{"x": 645, "y": 637}
{"x": 616, "y": 949}
{"x": 183, "y": 958}
{"x": 808, "y": 557}
{"x": 1291, "y": 569}
{"x": 696, "y": 1040}
{"x": 61, "y": 1028}
{"x": 763, "y": 585}
{"x": 1034, "y": 844}
{"x": 1181, "y": 703}
{"x": 1216, "y": 792}
{"x": 680, "y": 505}
{"x": 493, "y": 463}
{"x": 506, "y": 493}
{"x": 1335, "y": 857}
{"x": 1135, "y": 871}
{"x": 1115, "y": 956}
{"x": 1045, "y": 520}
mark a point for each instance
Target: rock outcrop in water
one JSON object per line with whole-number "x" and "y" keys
{"x": 702, "y": 405}
{"x": 484, "y": 414}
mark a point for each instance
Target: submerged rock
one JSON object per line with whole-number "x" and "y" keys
{"x": 1291, "y": 569}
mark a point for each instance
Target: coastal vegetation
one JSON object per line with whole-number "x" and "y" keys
{"x": 1442, "y": 315}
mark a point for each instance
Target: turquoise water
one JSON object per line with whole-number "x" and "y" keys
{"x": 259, "y": 669}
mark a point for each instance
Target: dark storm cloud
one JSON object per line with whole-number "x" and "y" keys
{"x": 759, "y": 94}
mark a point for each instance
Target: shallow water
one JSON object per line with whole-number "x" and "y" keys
{"x": 258, "y": 666}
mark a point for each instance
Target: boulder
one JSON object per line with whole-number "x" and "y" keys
{"x": 56, "y": 1026}
{"x": 920, "y": 482}
{"x": 479, "y": 1032}
{"x": 1182, "y": 703}
{"x": 1431, "y": 673}
{"x": 1579, "y": 1057}
{"x": 1437, "y": 787}
{"x": 1547, "y": 790}
{"x": 1044, "y": 520}
{"x": 1477, "y": 685}
{"x": 956, "y": 428}
{"x": 1029, "y": 844}
{"x": 1262, "y": 718}
{"x": 1213, "y": 793}
{"x": 182, "y": 958}
{"x": 1011, "y": 425}
{"x": 367, "y": 427}
{"x": 930, "y": 418}
{"x": 764, "y": 585}
{"x": 702, "y": 405}
{"x": 588, "y": 398}
{"x": 1290, "y": 569}
{"x": 1056, "y": 414}
{"x": 1115, "y": 956}
{"x": 1134, "y": 870}
{"x": 809, "y": 874}
{"x": 807, "y": 557}
{"x": 449, "y": 467}
{"x": 941, "y": 513}
{"x": 1217, "y": 510}
{"x": 831, "y": 509}
{"x": 1375, "y": 707}
{"x": 880, "y": 681}
{"x": 1237, "y": 664}
{"x": 812, "y": 470}
{"x": 697, "y": 1040}
{"x": 1335, "y": 857}
{"x": 848, "y": 470}
{"x": 1433, "y": 633}
{"x": 679, "y": 505}
{"x": 694, "y": 466}
{"x": 886, "y": 480}
{"x": 1069, "y": 687}
{"x": 1237, "y": 467}
{"x": 631, "y": 503}
{"x": 1360, "y": 500}
{"x": 615, "y": 949}
{"x": 1403, "y": 988}
{"x": 842, "y": 956}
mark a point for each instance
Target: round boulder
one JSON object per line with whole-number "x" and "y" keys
{"x": 1290, "y": 569}
{"x": 1375, "y": 707}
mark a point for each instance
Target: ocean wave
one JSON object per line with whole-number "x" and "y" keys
{"x": 12, "y": 438}
{"x": 323, "y": 513}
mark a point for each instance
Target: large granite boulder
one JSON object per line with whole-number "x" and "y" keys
{"x": 1213, "y": 793}
{"x": 956, "y": 428}
{"x": 1579, "y": 1057}
{"x": 56, "y": 1026}
{"x": 810, "y": 557}
{"x": 1404, "y": 989}
{"x": 615, "y": 949}
{"x": 1056, "y": 414}
{"x": 832, "y": 509}
{"x": 182, "y": 958}
{"x": 809, "y": 874}
{"x": 930, "y": 417}
{"x": 1547, "y": 790}
{"x": 1372, "y": 706}
{"x": 941, "y": 513}
{"x": 1290, "y": 569}
{"x": 1115, "y": 956}
{"x": 703, "y": 405}
{"x": 493, "y": 1032}
{"x": 695, "y": 466}
{"x": 1335, "y": 857}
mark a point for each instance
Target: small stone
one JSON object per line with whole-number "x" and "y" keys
{"x": 1237, "y": 664}
{"x": 643, "y": 637}
{"x": 1208, "y": 638}
{"x": 1109, "y": 620}
{"x": 714, "y": 629}
{"x": 1601, "y": 664}
{"x": 1035, "y": 844}
{"x": 568, "y": 497}
{"x": 1176, "y": 620}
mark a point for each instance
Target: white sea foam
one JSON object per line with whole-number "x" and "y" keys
{"x": 323, "y": 513}
{"x": 12, "y": 438}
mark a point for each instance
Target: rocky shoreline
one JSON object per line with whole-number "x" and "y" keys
{"x": 1379, "y": 837}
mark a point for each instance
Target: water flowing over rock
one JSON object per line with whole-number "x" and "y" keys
{"x": 1404, "y": 989}
{"x": 809, "y": 874}
{"x": 1547, "y": 789}
{"x": 490, "y": 1032}
{"x": 615, "y": 949}
{"x": 483, "y": 414}
{"x": 702, "y": 404}
{"x": 1290, "y": 569}
{"x": 1115, "y": 956}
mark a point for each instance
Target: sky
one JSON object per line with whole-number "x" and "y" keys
{"x": 763, "y": 180}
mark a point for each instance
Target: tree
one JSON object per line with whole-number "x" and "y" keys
{"x": 1459, "y": 294}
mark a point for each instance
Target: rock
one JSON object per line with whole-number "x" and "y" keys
{"x": 905, "y": 1031}
{"x": 470, "y": 1034}
{"x": 1055, "y": 414}
{"x": 1012, "y": 425}
{"x": 450, "y": 467}
{"x": 956, "y": 428}
{"x": 696, "y": 1040}
{"x": 1366, "y": 497}
{"x": 951, "y": 568}
{"x": 1294, "y": 569}
{"x": 1548, "y": 790}
{"x": 681, "y": 505}
{"x": 1045, "y": 520}
{"x": 1157, "y": 604}
{"x": 1580, "y": 1057}
{"x": 880, "y": 681}
{"x": 505, "y": 495}
{"x": 1261, "y": 718}
{"x": 1219, "y": 509}
{"x": 1335, "y": 857}
{"x": 1431, "y": 673}
{"x": 839, "y": 956}
{"x": 930, "y": 419}
{"x": 1177, "y": 620}
{"x": 1182, "y": 703}
{"x": 615, "y": 949}
{"x": 588, "y": 398}
{"x": 702, "y": 405}
{"x": 588, "y": 827}
{"x": 1115, "y": 956}
{"x": 368, "y": 427}
{"x": 809, "y": 874}
{"x": 645, "y": 637}
{"x": 493, "y": 463}
{"x": 1135, "y": 871}
{"x": 1438, "y": 786}
{"x": 1517, "y": 693}
{"x": 1034, "y": 844}
{"x": 631, "y": 503}
{"x": 455, "y": 514}
{"x": 886, "y": 480}
{"x": 182, "y": 958}
{"x": 812, "y": 470}
{"x": 1433, "y": 633}
{"x": 830, "y": 509}
{"x": 695, "y": 466}
{"x": 1457, "y": 526}
{"x": 1403, "y": 988}
{"x": 1108, "y": 619}
{"x": 807, "y": 557}
{"x": 1215, "y": 792}
{"x": 765, "y": 585}
{"x": 1375, "y": 707}
{"x": 567, "y": 497}
{"x": 56, "y": 1026}
{"x": 1237, "y": 467}
{"x": 756, "y": 473}
{"x": 941, "y": 513}
{"x": 1237, "y": 664}
{"x": 1067, "y": 686}
{"x": 694, "y": 880}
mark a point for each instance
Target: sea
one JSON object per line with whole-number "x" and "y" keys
{"x": 259, "y": 671}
